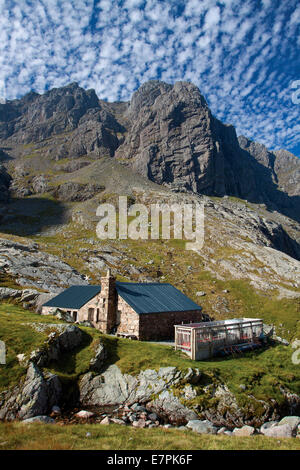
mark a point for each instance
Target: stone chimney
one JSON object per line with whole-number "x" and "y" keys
{"x": 109, "y": 296}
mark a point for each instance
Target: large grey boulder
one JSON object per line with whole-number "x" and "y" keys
{"x": 112, "y": 387}
{"x": 39, "y": 393}
{"x": 169, "y": 407}
{"x": 292, "y": 421}
{"x": 284, "y": 430}
{"x": 267, "y": 425}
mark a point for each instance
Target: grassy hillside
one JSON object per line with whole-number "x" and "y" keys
{"x": 261, "y": 371}
{"x": 170, "y": 262}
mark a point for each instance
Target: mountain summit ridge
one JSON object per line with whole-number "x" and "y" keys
{"x": 166, "y": 133}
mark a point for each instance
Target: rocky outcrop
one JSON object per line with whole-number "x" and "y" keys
{"x": 35, "y": 397}
{"x": 23, "y": 295}
{"x": 62, "y": 339}
{"x": 40, "y": 391}
{"x": 284, "y": 167}
{"x": 170, "y": 409}
{"x": 61, "y": 111}
{"x": 175, "y": 140}
{"x": 72, "y": 191}
{"x": 97, "y": 362}
{"x": 114, "y": 388}
{"x": 31, "y": 267}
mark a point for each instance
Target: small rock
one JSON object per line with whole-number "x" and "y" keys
{"x": 105, "y": 421}
{"x": 222, "y": 430}
{"x": 84, "y": 414}
{"x": 56, "y": 410}
{"x": 168, "y": 426}
{"x": 138, "y": 407}
{"x": 295, "y": 344}
{"x": 21, "y": 358}
{"x": 244, "y": 431}
{"x": 39, "y": 419}
{"x": 88, "y": 434}
{"x": 201, "y": 293}
{"x": 202, "y": 427}
{"x": 139, "y": 424}
{"x": 153, "y": 416}
{"x": 118, "y": 421}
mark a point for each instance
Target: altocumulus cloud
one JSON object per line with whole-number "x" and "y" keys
{"x": 243, "y": 54}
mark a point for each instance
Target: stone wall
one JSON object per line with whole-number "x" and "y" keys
{"x": 128, "y": 320}
{"x": 152, "y": 326}
{"x": 160, "y": 326}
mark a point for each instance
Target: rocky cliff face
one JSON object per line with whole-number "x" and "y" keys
{"x": 283, "y": 166}
{"x": 35, "y": 118}
{"x": 174, "y": 139}
{"x": 166, "y": 134}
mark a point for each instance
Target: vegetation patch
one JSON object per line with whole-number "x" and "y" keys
{"x": 18, "y": 436}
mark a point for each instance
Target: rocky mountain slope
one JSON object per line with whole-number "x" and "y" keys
{"x": 66, "y": 151}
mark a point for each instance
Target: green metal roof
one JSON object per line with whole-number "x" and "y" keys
{"x": 155, "y": 297}
{"x": 74, "y": 297}
{"x": 142, "y": 297}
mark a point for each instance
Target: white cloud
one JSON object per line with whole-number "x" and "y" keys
{"x": 241, "y": 56}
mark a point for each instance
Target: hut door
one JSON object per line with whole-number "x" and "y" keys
{"x": 91, "y": 314}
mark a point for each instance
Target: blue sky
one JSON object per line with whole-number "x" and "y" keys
{"x": 242, "y": 54}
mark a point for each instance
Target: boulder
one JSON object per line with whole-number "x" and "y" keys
{"x": 118, "y": 421}
{"x": 292, "y": 421}
{"x": 39, "y": 419}
{"x": 36, "y": 397}
{"x": 97, "y": 362}
{"x": 283, "y": 430}
{"x": 114, "y": 388}
{"x": 105, "y": 420}
{"x": 169, "y": 407}
{"x": 267, "y": 425}
{"x": 244, "y": 431}
{"x": 64, "y": 338}
{"x": 202, "y": 427}
{"x": 84, "y": 414}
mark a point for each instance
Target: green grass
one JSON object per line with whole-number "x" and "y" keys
{"x": 19, "y": 338}
{"x": 18, "y": 436}
{"x": 263, "y": 372}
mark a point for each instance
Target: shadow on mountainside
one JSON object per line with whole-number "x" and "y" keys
{"x": 266, "y": 191}
{"x": 29, "y": 216}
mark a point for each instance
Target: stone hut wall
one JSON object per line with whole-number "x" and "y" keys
{"x": 128, "y": 321}
{"x": 160, "y": 326}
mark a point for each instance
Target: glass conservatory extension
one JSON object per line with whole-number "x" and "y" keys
{"x": 207, "y": 339}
